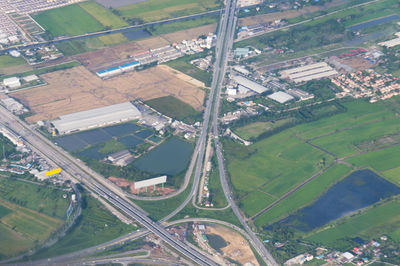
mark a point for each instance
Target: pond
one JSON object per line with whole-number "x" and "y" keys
{"x": 136, "y": 34}
{"x": 374, "y": 22}
{"x": 170, "y": 158}
{"x": 216, "y": 242}
{"x": 358, "y": 190}
{"x": 92, "y": 153}
{"x": 121, "y": 130}
{"x": 81, "y": 140}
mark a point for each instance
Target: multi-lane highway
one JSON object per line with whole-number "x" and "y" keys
{"x": 97, "y": 185}
{"x": 101, "y": 187}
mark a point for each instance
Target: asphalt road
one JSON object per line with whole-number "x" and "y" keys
{"x": 257, "y": 244}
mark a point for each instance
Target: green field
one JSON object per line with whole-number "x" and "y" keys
{"x": 273, "y": 165}
{"x": 68, "y": 20}
{"x": 183, "y": 65}
{"x": 393, "y": 175}
{"x": 280, "y": 162}
{"x": 4, "y": 211}
{"x": 255, "y": 129}
{"x": 103, "y": 15}
{"x": 153, "y": 10}
{"x": 182, "y": 25}
{"x": 45, "y": 70}
{"x": 22, "y": 228}
{"x": 8, "y": 61}
{"x": 380, "y": 160}
{"x": 255, "y": 202}
{"x": 96, "y": 225}
{"x": 46, "y": 200}
{"x": 174, "y": 108}
{"x": 377, "y": 220}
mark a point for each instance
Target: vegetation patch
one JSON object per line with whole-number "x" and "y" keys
{"x": 153, "y": 10}
{"x": 175, "y": 108}
{"x": 8, "y": 61}
{"x": 103, "y": 15}
{"x": 96, "y": 225}
{"x": 69, "y": 20}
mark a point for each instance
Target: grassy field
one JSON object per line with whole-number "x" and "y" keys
{"x": 183, "y": 65}
{"x": 255, "y": 202}
{"x": 273, "y": 165}
{"x": 255, "y": 129}
{"x": 4, "y": 211}
{"x": 304, "y": 195}
{"x": 68, "y": 20}
{"x": 8, "y": 61}
{"x": 46, "y": 200}
{"x": 182, "y": 25}
{"x": 174, "y": 108}
{"x": 380, "y": 160}
{"x": 153, "y": 10}
{"x": 45, "y": 70}
{"x": 22, "y": 228}
{"x": 96, "y": 225}
{"x": 277, "y": 163}
{"x": 393, "y": 175}
{"x": 377, "y": 220}
{"x": 103, "y": 15}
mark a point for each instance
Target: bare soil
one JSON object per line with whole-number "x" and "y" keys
{"x": 237, "y": 246}
{"x": 78, "y": 89}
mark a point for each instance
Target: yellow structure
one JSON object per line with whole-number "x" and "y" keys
{"x": 53, "y": 172}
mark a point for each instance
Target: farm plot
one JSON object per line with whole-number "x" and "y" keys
{"x": 68, "y": 20}
{"x": 153, "y": 10}
{"x": 77, "y": 89}
{"x": 274, "y": 165}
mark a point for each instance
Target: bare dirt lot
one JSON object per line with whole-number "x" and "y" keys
{"x": 78, "y": 89}
{"x": 112, "y": 56}
{"x": 357, "y": 63}
{"x": 121, "y": 182}
{"x": 237, "y": 247}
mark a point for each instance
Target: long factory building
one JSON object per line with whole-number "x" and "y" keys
{"x": 309, "y": 72}
{"x": 98, "y": 117}
{"x": 249, "y": 84}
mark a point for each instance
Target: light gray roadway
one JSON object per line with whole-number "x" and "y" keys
{"x": 95, "y": 184}
{"x": 257, "y": 244}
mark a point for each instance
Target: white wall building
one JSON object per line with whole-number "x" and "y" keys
{"x": 98, "y": 117}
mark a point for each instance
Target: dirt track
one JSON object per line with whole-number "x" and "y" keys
{"x": 78, "y": 89}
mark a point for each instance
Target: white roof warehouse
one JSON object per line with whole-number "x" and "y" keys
{"x": 251, "y": 85}
{"x": 96, "y": 117}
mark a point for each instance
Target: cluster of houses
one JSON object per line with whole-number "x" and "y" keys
{"x": 368, "y": 83}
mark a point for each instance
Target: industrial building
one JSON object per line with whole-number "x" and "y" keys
{"x": 309, "y": 72}
{"x": 12, "y": 83}
{"x": 96, "y": 118}
{"x": 391, "y": 43}
{"x": 120, "y": 158}
{"x": 109, "y": 72}
{"x": 249, "y": 84}
{"x": 281, "y": 97}
{"x": 112, "y": 71}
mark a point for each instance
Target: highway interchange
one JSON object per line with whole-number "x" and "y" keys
{"x": 101, "y": 187}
